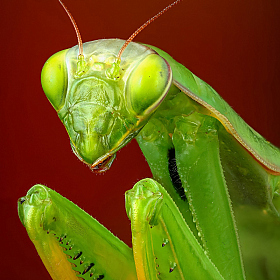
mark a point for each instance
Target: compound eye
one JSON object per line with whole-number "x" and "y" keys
{"x": 148, "y": 84}
{"x": 54, "y": 79}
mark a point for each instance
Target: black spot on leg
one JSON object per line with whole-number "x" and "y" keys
{"x": 77, "y": 255}
{"x": 88, "y": 268}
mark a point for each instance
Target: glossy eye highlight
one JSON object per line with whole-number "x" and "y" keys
{"x": 148, "y": 85}
{"x": 54, "y": 79}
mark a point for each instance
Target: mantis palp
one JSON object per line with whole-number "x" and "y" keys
{"x": 170, "y": 133}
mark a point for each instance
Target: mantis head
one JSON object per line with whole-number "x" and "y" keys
{"x": 102, "y": 111}
{"x": 104, "y": 92}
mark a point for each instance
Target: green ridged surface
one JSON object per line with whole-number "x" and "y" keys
{"x": 93, "y": 251}
{"x": 163, "y": 244}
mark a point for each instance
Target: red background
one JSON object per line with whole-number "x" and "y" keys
{"x": 232, "y": 45}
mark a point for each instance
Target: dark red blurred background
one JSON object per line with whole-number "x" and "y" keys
{"x": 232, "y": 45}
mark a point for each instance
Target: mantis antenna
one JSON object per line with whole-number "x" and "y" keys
{"x": 143, "y": 26}
{"x": 80, "y": 43}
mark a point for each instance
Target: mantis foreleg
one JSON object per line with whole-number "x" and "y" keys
{"x": 198, "y": 159}
{"x": 164, "y": 246}
{"x": 71, "y": 243}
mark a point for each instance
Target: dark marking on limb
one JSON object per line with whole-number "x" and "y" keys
{"x": 164, "y": 242}
{"x": 174, "y": 175}
{"x": 173, "y": 267}
{"x": 81, "y": 266}
{"x": 61, "y": 240}
{"x": 88, "y": 268}
{"x": 21, "y": 200}
{"x": 77, "y": 255}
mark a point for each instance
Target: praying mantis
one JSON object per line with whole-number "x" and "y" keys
{"x": 193, "y": 125}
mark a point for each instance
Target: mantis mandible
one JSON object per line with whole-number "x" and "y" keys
{"x": 208, "y": 160}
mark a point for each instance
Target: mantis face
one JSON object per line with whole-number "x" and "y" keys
{"x": 104, "y": 104}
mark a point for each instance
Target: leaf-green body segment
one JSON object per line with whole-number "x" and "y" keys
{"x": 170, "y": 250}
{"x": 212, "y": 171}
{"x": 70, "y": 242}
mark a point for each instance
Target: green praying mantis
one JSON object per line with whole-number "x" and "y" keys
{"x": 215, "y": 195}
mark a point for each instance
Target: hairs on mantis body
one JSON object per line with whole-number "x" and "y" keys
{"x": 213, "y": 173}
